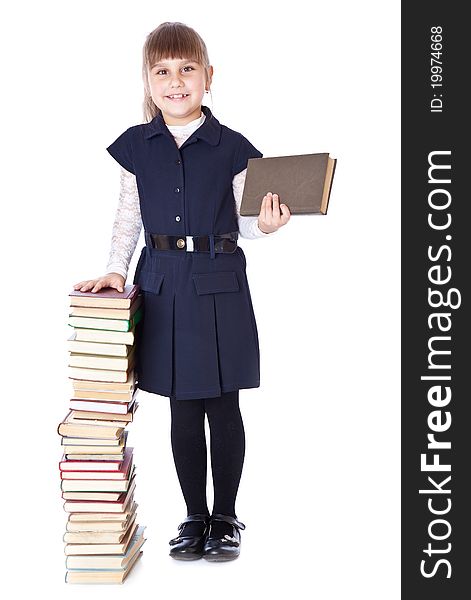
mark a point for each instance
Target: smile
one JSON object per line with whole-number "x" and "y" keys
{"x": 178, "y": 96}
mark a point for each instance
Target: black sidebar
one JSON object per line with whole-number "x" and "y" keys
{"x": 436, "y": 256}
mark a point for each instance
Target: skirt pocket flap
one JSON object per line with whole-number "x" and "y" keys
{"x": 212, "y": 283}
{"x": 150, "y": 281}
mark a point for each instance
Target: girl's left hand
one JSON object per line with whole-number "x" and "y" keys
{"x": 270, "y": 218}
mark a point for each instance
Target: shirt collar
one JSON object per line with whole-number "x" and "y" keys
{"x": 209, "y": 131}
{"x": 191, "y": 126}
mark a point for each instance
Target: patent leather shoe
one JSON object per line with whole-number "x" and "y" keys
{"x": 223, "y": 548}
{"x": 189, "y": 547}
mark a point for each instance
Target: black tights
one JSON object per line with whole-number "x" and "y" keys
{"x": 227, "y": 450}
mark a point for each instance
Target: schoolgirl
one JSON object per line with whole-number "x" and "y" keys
{"x": 182, "y": 176}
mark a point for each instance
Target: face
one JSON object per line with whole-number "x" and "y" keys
{"x": 176, "y": 76}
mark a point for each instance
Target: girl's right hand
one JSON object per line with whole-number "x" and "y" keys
{"x": 113, "y": 280}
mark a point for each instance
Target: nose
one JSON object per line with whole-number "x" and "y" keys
{"x": 175, "y": 81}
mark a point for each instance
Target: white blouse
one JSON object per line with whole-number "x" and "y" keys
{"x": 127, "y": 225}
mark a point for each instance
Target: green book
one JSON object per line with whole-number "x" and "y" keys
{"x": 107, "y": 324}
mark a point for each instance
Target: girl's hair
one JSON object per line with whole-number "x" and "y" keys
{"x": 170, "y": 40}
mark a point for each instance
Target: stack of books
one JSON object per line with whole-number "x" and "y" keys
{"x": 103, "y": 539}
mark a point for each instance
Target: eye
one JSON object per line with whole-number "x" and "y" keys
{"x": 165, "y": 70}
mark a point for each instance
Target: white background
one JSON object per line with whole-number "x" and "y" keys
{"x": 320, "y": 488}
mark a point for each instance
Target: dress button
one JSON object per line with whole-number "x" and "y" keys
{"x": 178, "y": 162}
{"x": 177, "y": 218}
{"x": 177, "y": 190}
{"x": 180, "y": 243}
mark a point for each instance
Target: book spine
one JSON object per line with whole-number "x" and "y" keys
{"x": 136, "y": 318}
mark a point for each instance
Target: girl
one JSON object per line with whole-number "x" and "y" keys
{"x": 182, "y": 176}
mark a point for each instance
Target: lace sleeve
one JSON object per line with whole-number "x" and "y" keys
{"x": 127, "y": 225}
{"x": 248, "y": 226}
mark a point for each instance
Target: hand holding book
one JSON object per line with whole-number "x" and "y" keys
{"x": 302, "y": 182}
{"x": 273, "y": 217}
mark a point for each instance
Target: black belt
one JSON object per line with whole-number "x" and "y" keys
{"x": 224, "y": 242}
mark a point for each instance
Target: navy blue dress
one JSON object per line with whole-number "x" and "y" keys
{"x": 198, "y": 337}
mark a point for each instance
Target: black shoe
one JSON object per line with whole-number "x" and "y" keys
{"x": 189, "y": 547}
{"x": 226, "y": 547}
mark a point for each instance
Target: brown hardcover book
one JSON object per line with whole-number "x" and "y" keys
{"x": 106, "y": 313}
{"x": 105, "y": 298}
{"x": 303, "y": 182}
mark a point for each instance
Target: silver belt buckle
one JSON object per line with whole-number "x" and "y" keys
{"x": 189, "y": 243}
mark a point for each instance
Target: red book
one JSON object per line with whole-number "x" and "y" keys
{"x": 94, "y": 473}
{"x": 105, "y": 298}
